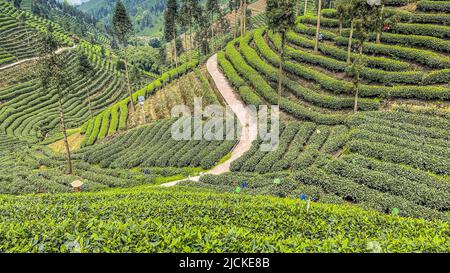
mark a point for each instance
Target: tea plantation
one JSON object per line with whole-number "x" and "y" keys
{"x": 193, "y": 220}
{"x": 386, "y": 156}
{"x": 371, "y": 176}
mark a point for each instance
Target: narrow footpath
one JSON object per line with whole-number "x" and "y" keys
{"x": 249, "y": 131}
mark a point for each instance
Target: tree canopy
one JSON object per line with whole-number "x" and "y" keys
{"x": 122, "y": 25}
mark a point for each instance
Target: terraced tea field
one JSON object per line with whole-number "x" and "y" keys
{"x": 154, "y": 146}
{"x": 377, "y": 158}
{"x": 371, "y": 176}
{"x": 20, "y": 33}
{"x": 27, "y": 168}
{"x": 29, "y": 113}
{"x": 260, "y": 224}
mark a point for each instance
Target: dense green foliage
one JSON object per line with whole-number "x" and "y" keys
{"x": 26, "y": 168}
{"x": 377, "y": 160}
{"x": 154, "y": 145}
{"x": 377, "y": 180}
{"x": 183, "y": 220}
{"x": 115, "y": 118}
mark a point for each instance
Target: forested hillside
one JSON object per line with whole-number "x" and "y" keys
{"x": 146, "y": 14}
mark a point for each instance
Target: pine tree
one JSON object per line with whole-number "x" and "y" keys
{"x": 319, "y": 14}
{"x": 170, "y": 26}
{"x": 243, "y": 20}
{"x": 281, "y": 15}
{"x": 123, "y": 29}
{"x": 343, "y": 9}
{"x": 201, "y": 36}
{"x": 213, "y": 8}
{"x": 188, "y": 11}
{"x": 365, "y": 14}
{"x": 86, "y": 69}
{"x": 233, "y": 5}
{"x": 53, "y": 75}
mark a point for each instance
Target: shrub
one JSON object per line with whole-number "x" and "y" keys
{"x": 391, "y": 153}
{"x": 249, "y": 97}
{"x": 434, "y": 6}
{"x": 364, "y": 196}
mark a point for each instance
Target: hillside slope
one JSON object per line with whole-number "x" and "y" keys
{"x": 384, "y": 157}
{"x": 147, "y": 15}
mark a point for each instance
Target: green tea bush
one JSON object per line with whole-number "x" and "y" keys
{"x": 221, "y": 219}
{"x": 434, "y": 6}
{"x": 391, "y": 153}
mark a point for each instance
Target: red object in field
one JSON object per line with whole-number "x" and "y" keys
{"x": 386, "y": 27}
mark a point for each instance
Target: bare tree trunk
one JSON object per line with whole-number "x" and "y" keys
{"x": 241, "y": 21}
{"x": 245, "y": 16}
{"x": 235, "y": 23}
{"x": 28, "y": 37}
{"x": 175, "y": 51}
{"x": 349, "y": 47}
{"x": 306, "y": 7}
{"x": 280, "y": 68}
{"x": 319, "y": 10}
{"x": 280, "y": 78}
{"x": 66, "y": 142}
{"x": 170, "y": 53}
{"x": 341, "y": 20}
{"x": 191, "y": 47}
{"x": 378, "y": 40}
{"x": 175, "y": 45}
{"x": 185, "y": 41}
{"x": 128, "y": 79}
{"x": 355, "y": 109}
{"x": 212, "y": 27}
{"x": 90, "y": 107}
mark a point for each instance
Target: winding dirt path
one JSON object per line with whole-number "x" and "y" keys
{"x": 249, "y": 127}
{"x": 34, "y": 58}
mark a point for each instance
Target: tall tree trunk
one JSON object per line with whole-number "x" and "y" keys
{"x": 280, "y": 67}
{"x": 306, "y": 7}
{"x": 191, "y": 47}
{"x": 212, "y": 28}
{"x": 28, "y": 37}
{"x": 175, "y": 51}
{"x": 349, "y": 46}
{"x": 175, "y": 45}
{"x": 378, "y": 40}
{"x": 90, "y": 107}
{"x": 185, "y": 40}
{"x": 355, "y": 109}
{"x": 235, "y": 23}
{"x": 245, "y": 16}
{"x": 341, "y": 22}
{"x": 128, "y": 79}
{"x": 319, "y": 10}
{"x": 66, "y": 142}
{"x": 241, "y": 20}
